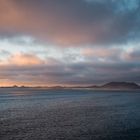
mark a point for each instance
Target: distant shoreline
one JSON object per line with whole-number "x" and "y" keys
{"x": 116, "y": 86}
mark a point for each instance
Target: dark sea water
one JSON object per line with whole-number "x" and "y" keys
{"x": 48, "y": 114}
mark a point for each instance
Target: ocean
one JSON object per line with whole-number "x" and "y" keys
{"x": 69, "y": 114}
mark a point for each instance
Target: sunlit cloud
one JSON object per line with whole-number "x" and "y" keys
{"x": 24, "y": 59}
{"x": 75, "y": 23}
{"x": 69, "y": 42}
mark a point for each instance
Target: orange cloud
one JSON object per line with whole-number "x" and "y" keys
{"x": 10, "y": 16}
{"x": 49, "y": 25}
{"x": 24, "y": 59}
{"x": 70, "y": 22}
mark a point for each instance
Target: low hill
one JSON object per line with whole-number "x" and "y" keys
{"x": 120, "y": 85}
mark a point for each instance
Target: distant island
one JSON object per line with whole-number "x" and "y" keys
{"x": 116, "y": 86}
{"x": 121, "y": 85}
{"x": 107, "y": 86}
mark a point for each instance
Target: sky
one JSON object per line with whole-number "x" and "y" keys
{"x": 69, "y": 42}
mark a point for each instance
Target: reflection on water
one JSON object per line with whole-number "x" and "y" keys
{"x": 35, "y": 114}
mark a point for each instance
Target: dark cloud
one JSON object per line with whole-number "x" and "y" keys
{"x": 72, "y": 22}
{"x": 134, "y": 56}
{"x": 101, "y": 27}
{"x": 74, "y": 73}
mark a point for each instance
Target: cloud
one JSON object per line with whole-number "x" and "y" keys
{"x": 102, "y": 54}
{"x": 132, "y": 55}
{"x": 70, "y": 66}
{"x": 21, "y": 59}
{"x": 70, "y": 22}
{"x": 107, "y": 34}
{"x": 53, "y": 72}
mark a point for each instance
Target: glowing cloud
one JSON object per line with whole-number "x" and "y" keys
{"x": 49, "y": 42}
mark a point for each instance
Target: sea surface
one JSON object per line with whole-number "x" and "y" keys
{"x": 69, "y": 114}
